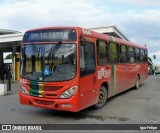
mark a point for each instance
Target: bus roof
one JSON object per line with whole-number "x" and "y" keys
{"x": 93, "y": 34}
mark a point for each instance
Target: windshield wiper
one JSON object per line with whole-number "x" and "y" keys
{"x": 54, "y": 49}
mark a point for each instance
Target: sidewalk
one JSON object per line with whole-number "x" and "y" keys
{"x": 14, "y": 87}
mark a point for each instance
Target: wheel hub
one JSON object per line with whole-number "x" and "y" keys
{"x": 101, "y": 97}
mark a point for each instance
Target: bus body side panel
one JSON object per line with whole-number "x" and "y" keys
{"x": 91, "y": 84}
{"x": 144, "y": 71}
{"x": 124, "y": 76}
{"x": 132, "y": 74}
{"x": 121, "y": 77}
{"x": 88, "y": 91}
{"x": 104, "y": 78}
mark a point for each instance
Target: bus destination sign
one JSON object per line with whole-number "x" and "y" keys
{"x": 50, "y": 35}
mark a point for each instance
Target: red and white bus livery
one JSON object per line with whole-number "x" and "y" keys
{"x": 72, "y": 68}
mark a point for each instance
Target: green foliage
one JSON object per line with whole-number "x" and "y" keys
{"x": 150, "y": 60}
{"x": 9, "y": 56}
{"x": 154, "y": 57}
{"x": 150, "y": 63}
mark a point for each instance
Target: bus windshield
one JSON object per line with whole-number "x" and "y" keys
{"x": 48, "y": 62}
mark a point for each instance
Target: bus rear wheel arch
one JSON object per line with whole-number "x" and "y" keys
{"x": 102, "y": 98}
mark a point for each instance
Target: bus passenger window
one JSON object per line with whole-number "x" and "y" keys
{"x": 145, "y": 56}
{"x": 87, "y": 58}
{"x": 131, "y": 54}
{"x": 113, "y": 53}
{"x": 142, "y": 55}
{"x": 82, "y": 64}
{"x": 137, "y": 54}
{"x": 123, "y": 54}
{"x": 102, "y": 56}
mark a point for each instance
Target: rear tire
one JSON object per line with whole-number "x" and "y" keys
{"x": 102, "y": 98}
{"x": 137, "y": 84}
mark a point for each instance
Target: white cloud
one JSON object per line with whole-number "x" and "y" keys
{"x": 26, "y": 14}
{"x": 143, "y": 27}
{"x": 142, "y": 2}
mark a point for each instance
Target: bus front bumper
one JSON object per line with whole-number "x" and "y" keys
{"x": 55, "y": 104}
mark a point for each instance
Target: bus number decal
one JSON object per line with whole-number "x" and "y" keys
{"x": 102, "y": 73}
{"x": 86, "y": 32}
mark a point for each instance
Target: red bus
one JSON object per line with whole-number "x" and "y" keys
{"x": 72, "y": 68}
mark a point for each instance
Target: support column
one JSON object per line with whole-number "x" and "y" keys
{"x": 14, "y": 46}
{"x": 1, "y": 58}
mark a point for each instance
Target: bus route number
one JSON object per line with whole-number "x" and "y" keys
{"x": 86, "y": 32}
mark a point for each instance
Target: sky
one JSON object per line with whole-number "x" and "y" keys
{"x": 138, "y": 20}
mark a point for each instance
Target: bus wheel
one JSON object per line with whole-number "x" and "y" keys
{"x": 102, "y": 98}
{"x": 137, "y": 82}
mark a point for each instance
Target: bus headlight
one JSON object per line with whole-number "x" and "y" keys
{"x": 68, "y": 93}
{"x": 24, "y": 90}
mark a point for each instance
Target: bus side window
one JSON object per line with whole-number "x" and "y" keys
{"x": 82, "y": 59}
{"x": 123, "y": 54}
{"x": 142, "y": 55}
{"x": 137, "y": 54}
{"x": 102, "y": 52}
{"x": 113, "y": 53}
{"x": 131, "y": 54}
{"x": 87, "y": 58}
{"x": 145, "y": 56}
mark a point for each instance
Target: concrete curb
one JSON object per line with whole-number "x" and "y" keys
{"x": 3, "y": 89}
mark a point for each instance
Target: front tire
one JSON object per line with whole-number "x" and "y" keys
{"x": 102, "y": 98}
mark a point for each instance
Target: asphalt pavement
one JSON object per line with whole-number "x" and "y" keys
{"x": 135, "y": 106}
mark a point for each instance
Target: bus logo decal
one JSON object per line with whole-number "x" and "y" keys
{"x": 24, "y": 81}
{"x": 102, "y": 73}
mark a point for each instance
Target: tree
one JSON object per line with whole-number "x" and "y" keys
{"x": 9, "y": 56}
{"x": 154, "y": 57}
{"x": 150, "y": 65}
{"x": 150, "y": 61}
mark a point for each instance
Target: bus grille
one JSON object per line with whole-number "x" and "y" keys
{"x": 43, "y": 90}
{"x": 52, "y": 88}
